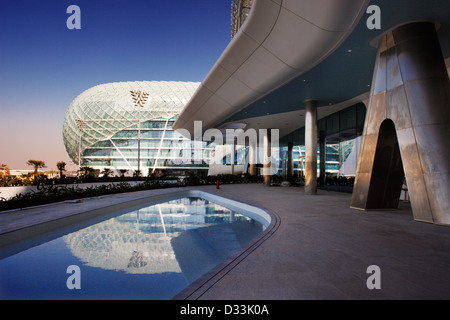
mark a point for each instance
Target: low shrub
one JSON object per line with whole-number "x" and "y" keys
{"x": 196, "y": 180}
{"x": 50, "y": 192}
{"x": 55, "y": 193}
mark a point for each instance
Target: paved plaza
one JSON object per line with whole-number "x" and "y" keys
{"x": 316, "y": 247}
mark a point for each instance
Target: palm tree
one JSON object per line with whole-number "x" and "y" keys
{"x": 4, "y": 172}
{"x": 61, "y": 165}
{"x": 106, "y": 172}
{"x": 4, "y": 169}
{"x": 87, "y": 171}
{"x": 36, "y": 164}
{"x": 123, "y": 171}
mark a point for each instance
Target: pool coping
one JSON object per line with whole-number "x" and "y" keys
{"x": 200, "y": 286}
{"x": 194, "y": 290}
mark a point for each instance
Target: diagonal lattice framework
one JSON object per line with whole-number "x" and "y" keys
{"x": 104, "y": 110}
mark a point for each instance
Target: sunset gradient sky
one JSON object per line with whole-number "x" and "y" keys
{"x": 44, "y": 65}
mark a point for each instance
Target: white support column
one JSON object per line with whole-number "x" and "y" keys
{"x": 233, "y": 155}
{"x": 267, "y": 157}
{"x": 121, "y": 154}
{"x": 252, "y": 157}
{"x": 311, "y": 147}
{"x": 160, "y": 146}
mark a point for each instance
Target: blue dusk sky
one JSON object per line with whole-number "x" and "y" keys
{"x": 44, "y": 66}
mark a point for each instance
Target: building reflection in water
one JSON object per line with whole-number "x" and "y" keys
{"x": 188, "y": 235}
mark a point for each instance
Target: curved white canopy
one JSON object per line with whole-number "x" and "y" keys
{"x": 279, "y": 41}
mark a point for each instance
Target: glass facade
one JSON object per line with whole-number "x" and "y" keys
{"x": 341, "y": 133}
{"x": 240, "y": 156}
{"x": 128, "y": 126}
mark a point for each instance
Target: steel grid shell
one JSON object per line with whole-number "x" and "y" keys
{"x": 102, "y": 111}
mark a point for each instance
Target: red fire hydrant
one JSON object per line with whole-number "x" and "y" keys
{"x": 217, "y": 184}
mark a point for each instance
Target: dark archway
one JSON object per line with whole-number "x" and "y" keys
{"x": 387, "y": 173}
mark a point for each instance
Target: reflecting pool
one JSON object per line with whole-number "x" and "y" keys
{"x": 147, "y": 252}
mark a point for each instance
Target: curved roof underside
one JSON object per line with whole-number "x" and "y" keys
{"x": 293, "y": 50}
{"x": 279, "y": 41}
{"x": 101, "y": 111}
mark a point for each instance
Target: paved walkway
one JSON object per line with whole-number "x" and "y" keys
{"x": 321, "y": 249}
{"x": 316, "y": 248}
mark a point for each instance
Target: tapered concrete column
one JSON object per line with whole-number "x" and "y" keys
{"x": 252, "y": 158}
{"x": 233, "y": 155}
{"x": 323, "y": 153}
{"x": 311, "y": 147}
{"x": 267, "y": 157}
{"x": 407, "y": 122}
{"x": 290, "y": 160}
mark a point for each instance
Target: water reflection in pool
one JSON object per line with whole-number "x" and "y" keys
{"x": 150, "y": 252}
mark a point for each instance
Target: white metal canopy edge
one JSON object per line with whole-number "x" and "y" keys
{"x": 280, "y": 40}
